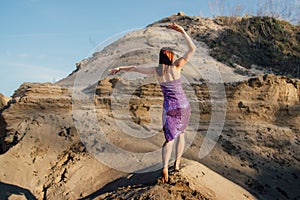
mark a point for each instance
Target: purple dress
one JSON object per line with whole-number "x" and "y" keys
{"x": 177, "y": 110}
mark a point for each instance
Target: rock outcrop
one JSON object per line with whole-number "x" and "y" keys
{"x": 30, "y": 104}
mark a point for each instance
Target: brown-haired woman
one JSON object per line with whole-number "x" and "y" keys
{"x": 176, "y": 112}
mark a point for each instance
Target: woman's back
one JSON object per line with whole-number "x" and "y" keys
{"x": 167, "y": 73}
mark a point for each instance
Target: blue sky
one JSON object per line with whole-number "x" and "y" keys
{"x": 41, "y": 40}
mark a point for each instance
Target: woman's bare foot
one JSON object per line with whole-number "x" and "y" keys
{"x": 176, "y": 166}
{"x": 165, "y": 176}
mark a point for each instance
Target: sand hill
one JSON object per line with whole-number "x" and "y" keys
{"x": 90, "y": 135}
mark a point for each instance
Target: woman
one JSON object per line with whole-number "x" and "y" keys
{"x": 176, "y": 111}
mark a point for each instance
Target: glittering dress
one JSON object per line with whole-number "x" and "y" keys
{"x": 177, "y": 110}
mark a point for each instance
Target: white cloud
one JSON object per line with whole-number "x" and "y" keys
{"x": 35, "y": 73}
{"x": 14, "y": 74}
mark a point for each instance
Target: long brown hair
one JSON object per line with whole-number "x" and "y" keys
{"x": 166, "y": 57}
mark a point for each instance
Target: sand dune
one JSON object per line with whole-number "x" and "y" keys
{"x": 90, "y": 135}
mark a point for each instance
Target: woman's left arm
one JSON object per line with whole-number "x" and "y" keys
{"x": 191, "y": 46}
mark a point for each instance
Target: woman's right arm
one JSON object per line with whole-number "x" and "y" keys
{"x": 142, "y": 70}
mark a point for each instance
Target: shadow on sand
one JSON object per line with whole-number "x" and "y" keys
{"x": 6, "y": 190}
{"x": 3, "y": 125}
{"x": 133, "y": 180}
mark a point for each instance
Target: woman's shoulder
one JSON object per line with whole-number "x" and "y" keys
{"x": 180, "y": 62}
{"x": 176, "y": 68}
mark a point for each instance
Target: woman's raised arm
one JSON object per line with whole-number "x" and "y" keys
{"x": 191, "y": 46}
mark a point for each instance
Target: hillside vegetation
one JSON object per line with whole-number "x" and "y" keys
{"x": 262, "y": 42}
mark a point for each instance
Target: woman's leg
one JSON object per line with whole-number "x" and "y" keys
{"x": 166, "y": 155}
{"x": 179, "y": 150}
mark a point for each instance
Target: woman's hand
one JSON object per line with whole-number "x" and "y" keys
{"x": 114, "y": 70}
{"x": 176, "y": 27}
